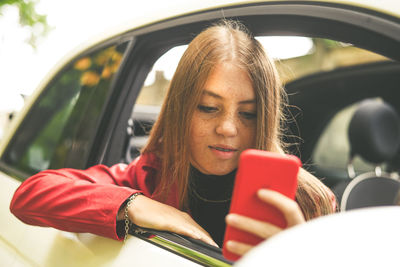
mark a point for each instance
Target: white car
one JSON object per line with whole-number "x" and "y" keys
{"x": 96, "y": 108}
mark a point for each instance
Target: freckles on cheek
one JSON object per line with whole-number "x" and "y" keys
{"x": 198, "y": 130}
{"x": 202, "y": 132}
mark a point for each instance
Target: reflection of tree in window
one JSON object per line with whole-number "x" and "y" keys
{"x": 66, "y": 115}
{"x": 79, "y": 132}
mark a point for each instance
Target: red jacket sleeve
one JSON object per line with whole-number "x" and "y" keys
{"x": 82, "y": 200}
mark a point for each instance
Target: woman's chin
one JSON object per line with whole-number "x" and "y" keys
{"x": 222, "y": 171}
{"x": 215, "y": 168}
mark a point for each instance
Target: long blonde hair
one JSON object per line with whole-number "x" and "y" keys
{"x": 227, "y": 41}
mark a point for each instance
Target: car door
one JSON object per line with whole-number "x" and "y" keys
{"x": 57, "y": 130}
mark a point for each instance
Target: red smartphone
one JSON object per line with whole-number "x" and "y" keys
{"x": 260, "y": 169}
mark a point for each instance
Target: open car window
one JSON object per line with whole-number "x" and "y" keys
{"x": 294, "y": 56}
{"x": 315, "y": 55}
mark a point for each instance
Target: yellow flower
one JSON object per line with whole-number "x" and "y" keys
{"x": 90, "y": 78}
{"x": 106, "y": 73}
{"x": 83, "y": 64}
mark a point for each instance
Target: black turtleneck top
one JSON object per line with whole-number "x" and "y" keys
{"x": 209, "y": 201}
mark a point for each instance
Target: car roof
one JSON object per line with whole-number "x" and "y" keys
{"x": 184, "y": 8}
{"x": 389, "y": 7}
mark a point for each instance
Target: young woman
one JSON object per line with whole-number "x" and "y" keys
{"x": 225, "y": 97}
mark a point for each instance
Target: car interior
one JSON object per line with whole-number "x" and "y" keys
{"x": 327, "y": 101}
{"x": 374, "y": 134}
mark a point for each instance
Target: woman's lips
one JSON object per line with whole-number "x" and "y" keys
{"x": 223, "y": 151}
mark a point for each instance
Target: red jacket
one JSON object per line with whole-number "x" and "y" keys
{"x": 86, "y": 200}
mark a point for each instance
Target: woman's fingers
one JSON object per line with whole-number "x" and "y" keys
{"x": 192, "y": 229}
{"x": 237, "y": 247}
{"x": 148, "y": 213}
{"x": 289, "y": 208}
{"x": 258, "y": 228}
{"x": 193, "y": 233}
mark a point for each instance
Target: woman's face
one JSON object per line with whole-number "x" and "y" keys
{"x": 224, "y": 123}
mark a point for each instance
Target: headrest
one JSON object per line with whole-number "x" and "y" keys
{"x": 374, "y": 131}
{"x": 370, "y": 191}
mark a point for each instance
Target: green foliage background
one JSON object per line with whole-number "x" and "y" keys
{"x": 28, "y": 16}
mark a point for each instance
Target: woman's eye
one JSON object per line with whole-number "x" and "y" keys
{"x": 248, "y": 115}
{"x": 206, "y": 109}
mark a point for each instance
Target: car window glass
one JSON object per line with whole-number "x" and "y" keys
{"x": 62, "y": 122}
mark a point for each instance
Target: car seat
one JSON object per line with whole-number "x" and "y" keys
{"x": 374, "y": 135}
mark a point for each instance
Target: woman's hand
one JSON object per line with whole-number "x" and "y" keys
{"x": 149, "y": 213}
{"x": 289, "y": 208}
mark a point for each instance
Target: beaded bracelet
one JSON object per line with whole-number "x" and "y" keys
{"x": 128, "y": 223}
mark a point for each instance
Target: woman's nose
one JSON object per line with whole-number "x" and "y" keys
{"x": 227, "y": 126}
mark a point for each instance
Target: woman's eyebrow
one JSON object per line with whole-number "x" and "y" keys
{"x": 209, "y": 93}
{"x": 250, "y": 101}
{"x": 212, "y": 94}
